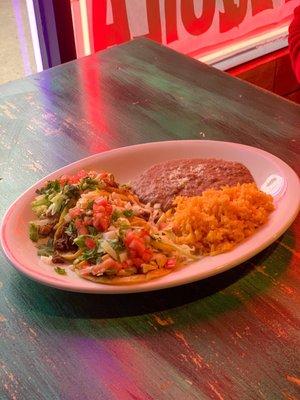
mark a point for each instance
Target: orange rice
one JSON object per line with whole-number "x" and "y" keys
{"x": 219, "y": 219}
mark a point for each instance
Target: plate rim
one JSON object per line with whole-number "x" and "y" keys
{"x": 137, "y": 288}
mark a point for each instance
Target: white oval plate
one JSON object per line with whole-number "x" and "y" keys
{"x": 269, "y": 172}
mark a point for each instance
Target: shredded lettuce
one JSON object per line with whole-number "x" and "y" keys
{"x": 52, "y": 198}
{"x": 91, "y": 254}
{"x": 47, "y": 249}
{"x": 80, "y": 241}
{"x": 105, "y": 245}
{"x": 40, "y": 205}
{"x": 57, "y": 203}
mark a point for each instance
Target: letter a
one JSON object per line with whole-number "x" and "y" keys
{"x": 106, "y": 35}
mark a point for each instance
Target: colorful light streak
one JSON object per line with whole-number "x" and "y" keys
{"x": 85, "y": 27}
{"x": 21, "y": 36}
{"x": 34, "y": 35}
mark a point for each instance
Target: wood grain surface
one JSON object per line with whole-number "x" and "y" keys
{"x": 233, "y": 336}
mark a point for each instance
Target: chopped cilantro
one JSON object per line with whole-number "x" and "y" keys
{"x": 71, "y": 191}
{"x": 115, "y": 215}
{"x": 89, "y": 183}
{"x": 117, "y": 245}
{"x": 92, "y": 230}
{"x": 128, "y": 213}
{"x": 89, "y": 205}
{"x": 50, "y": 187}
{"x": 90, "y": 254}
{"x": 60, "y": 271}
{"x": 71, "y": 230}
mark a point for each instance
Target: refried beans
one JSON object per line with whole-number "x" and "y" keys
{"x": 161, "y": 183}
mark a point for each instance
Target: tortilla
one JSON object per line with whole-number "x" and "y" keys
{"x": 125, "y": 280}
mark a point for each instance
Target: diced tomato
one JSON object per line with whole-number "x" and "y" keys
{"x": 171, "y": 263}
{"x": 84, "y": 264}
{"x": 73, "y": 179}
{"x": 102, "y": 213}
{"x": 143, "y": 234}
{"x": 137, "y": 262}
{"x": 88, "y": 221}
{"x": 130, "y": 235}
{"x": 127, "y": 263}
{"x": 85, "y": 268}
{"x": 137, "y": 247}
{"x": 103, "y": 174}
{"x": 76, "y": 178}
{"x": 101, "y": 201}
{"x": 90, "y": 243}
{"x": 85, "y": 271}
{"x": 81, "y": 229}
{"x": 63, "y": 180}
{"x": 147, "y": 255}
{"x": 74, "y": 212}
{"x": 102, "y": 205}
{"x": 98, "y": 208}
{"x": 107, "y": 264}
{"x": 101, "y": 221}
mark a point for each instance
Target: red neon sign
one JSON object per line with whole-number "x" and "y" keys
{"x": 189, "y": 26}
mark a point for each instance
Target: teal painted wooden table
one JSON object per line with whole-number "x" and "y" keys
{"x": 234, "y": 336}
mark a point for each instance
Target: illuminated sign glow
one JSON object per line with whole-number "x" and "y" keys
{"x": 194, "y": 27}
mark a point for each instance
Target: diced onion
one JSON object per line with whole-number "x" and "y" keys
{"x": 123, "y": 256}
{"x": 109, "y": 250}
{"x": 47, "y": 260}
{"x": 110, "y": 235}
